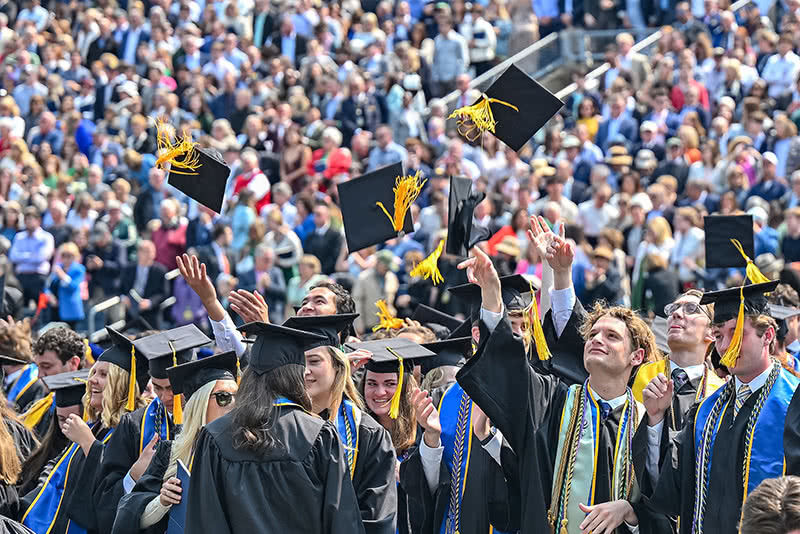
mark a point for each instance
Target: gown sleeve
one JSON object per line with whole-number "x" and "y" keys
{"x": 566, "y": 349}
{"x": 81, "y": 492}
{"x": 503, "y": 483}
{"x": 340, "y": 513}
{"x": 374, "y": 481}
{"x": 132, "y": 506}
{"x": 205, "y": 509}
{"x": 421, "y": 503}
{"x": 118, "y": 457}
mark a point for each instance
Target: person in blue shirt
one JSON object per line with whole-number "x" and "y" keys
{"x": 64, "y": 291}
{"x": 768, "y": 188}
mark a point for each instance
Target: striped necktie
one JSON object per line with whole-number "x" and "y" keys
{"x": 741, "y": 397}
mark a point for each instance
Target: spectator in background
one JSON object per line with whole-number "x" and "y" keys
{"x": 618, "y": 123}
{"x": 253, "y": 179}
{"x": 781, "y": 69}
{"x": 31, "y": 251}
{"x": 309, "y": 275}
{"x": 324, "y": 242}
{"x": 216, "y": 255}
{"x": 58, "y": 225}
{"x": 689, "y": 242}
{"x": 597, "y": 213}
{"x": 104, "y": 259}
{"x": 373, "y": 284}
{"x": 149, "y": 200}
{"x": 64, "y": 290}
{"x": 46, "y": 132}
{"x": 387, "y": 151}
{"x": 169, "y": 235}
{"x": 450, "y": 57}
{"x": 144, "y": 286}
{"x": 265, "y": 277}
{"x": 766, "y": 238}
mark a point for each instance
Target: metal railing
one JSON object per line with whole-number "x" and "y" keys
{"x": 97, "y": 334}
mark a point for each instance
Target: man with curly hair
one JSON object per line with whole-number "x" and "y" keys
{"x": 21, "y": 384}
{"x": 573, "y": 442}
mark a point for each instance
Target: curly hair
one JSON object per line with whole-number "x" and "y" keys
{"x": 15, "y": 341}
{"x": 640, "y": 335}
{"x": 344, "y": 302}
{"x": 66, "y": 343}
{"x": 773, "y": 507}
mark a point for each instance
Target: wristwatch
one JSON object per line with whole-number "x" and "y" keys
{"x": 490, "y": 437}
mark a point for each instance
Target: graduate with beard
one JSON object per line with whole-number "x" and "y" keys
{"x": 572, "y": 442}
{"x": 133, "y": 444}
{"x": 743, "y": 433}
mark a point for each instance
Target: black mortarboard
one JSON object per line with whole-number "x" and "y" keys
{"x": 461, "y": 235}
{"x": 726, "y": 301}
{"x": 453, "y": 351}
{"x": 171, "y": 347}
{"x": 427, "y": 315}
{"x": 68, "y": 387}
{"x": 207, "y": 186}
{"x": 513, "y": 287}
{"x": 276, "y": 345}
{"x": 328, "y": 326}
{"x": 9, "y": 360}
{"x": 365, "y": 223}
{"x": 188, "y": 377}
{"x": 780, "y": 314}
{"x": 719, "y": 230}
{"x": 119, "y": 353}
{"x": 536, "y": 106}
{"x": 463, "y": 330}
{"x": 385, "y": 354}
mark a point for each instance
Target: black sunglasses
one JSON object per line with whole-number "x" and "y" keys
{"x": 223, "y": 398}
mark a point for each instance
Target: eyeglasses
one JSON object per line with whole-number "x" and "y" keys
{"x": 688, "y": 308}
{"x": 223, "y": 398}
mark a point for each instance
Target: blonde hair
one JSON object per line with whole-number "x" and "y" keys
{"x": 90, "y": 413}
{"x": 343, "y": 384}
{"x": 195, "y": 416}
{"x": 115, "y": 396}
{"x": 10, "y": 461}
{"x": 70, "y": 248}
{"x": 311, "y": 261}
{"x": 660, "y": 228}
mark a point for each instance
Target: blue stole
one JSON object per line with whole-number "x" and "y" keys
{"x": 283, "y": 401}
{"x": 155, "y": 414}
{"x": 347, "y": 425}
{"x": 43, "y": 511}
{"x": 764, "y": 454}
{"x": 30, "y": 374}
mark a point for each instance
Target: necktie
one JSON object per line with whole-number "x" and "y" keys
{"x": 741, "y": 397}
{"x": 605, "y": 409}
{"x": 679, "y": 379}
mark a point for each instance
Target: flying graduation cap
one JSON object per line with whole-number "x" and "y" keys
{"x": 276, "y": 346}
{"x": 395, "y": 355}
{"x": 514, "y": 108}
{"x": 68, "y": 387}
{"x": 122, "y": 353}
{"x": 461, "y": 235}
{"x": 188, "y": 377}
{"x": 451, "y": 351}
{"x": 736, "y": 303}
{"x": 376, "y": 206}
{"x": 721, "y": 249}
{"x": 327, "y": 326}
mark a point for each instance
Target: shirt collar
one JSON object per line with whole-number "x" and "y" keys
{"x": 692, "y": 371}
{"x": 756, "y": 383}
{"x": 614, "y": 403}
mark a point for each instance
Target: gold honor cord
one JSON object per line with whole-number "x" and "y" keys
{"x": 429, "y": 267}
{"x": 394, "y": 408}
{"x": 406, "y": 190}
{"x": 478, "y": 118}
{"x": 183, "y": 147}
{"x": 177, "y": 405}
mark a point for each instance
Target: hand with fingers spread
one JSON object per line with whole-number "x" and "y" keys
{"x": 540, "y": 235}
{"x": 427, "y": 417}
{"x": 251, "y": 307}
{"x": 481, "y": 271}
{"x": 143, "y": 462}
{"x": 606, "y": 517}
{"x": 171, "y": 492}
{"x": 657, "y": 397}
{"x": 196, "y": 276}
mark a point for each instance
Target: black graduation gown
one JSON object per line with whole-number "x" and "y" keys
{"x": 76, "y": 504}
{"x": 527, "y": 406}
{"x": 25, "y": 443}
{"x": 566, "y": 351}
{"x": 674, "y": 493}
{"x": 300, "y": 485}
{"x": 121, "y": 453}
{"x": 148, "y": 487}
{"x": 36, "y": 391}
{"x": 409, "y": 502}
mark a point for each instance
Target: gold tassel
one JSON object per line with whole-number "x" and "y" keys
{"x": 394, "y": 407}
{"x": 533, "y": 327}
{"x": 170, "y": 151}
{"x": 388, "y": 321}
{"x": 755, "y": 276}
{"x": 177, "y": 405}
{"x": 563, "y": 527}
{"x": 87, "y": 351}
{"x": 131, "y": 405}
{"x": 429, "y": 267}
{"x": 406, "y": 190}
{"x": 732, "y": 354}
{"x": 238, "y": 372}
{"x": 478, "y": 118}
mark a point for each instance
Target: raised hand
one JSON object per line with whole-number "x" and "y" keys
{"x": 480, "y": 271}
{"x": 540, "y": 235}
{"x": 251, "y": 307}
{"x": 196, "y": 276}
{"x": 143, "y": 462}
{"x": 657, "y": 397}
{"x": 427, "y": 417}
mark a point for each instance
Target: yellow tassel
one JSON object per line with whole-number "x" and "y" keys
{"x": 238, "y": 372}
{"x": 394, "y": 407}
{"x": 478, "y": 118}
{"x": 429, "y": 267}
{"x": 170, "y": 151}
{"x": 755, "y": 276}
{"x": 177, "y": 405}
{"x": 87, "y": 352}
{"x": 131, "y": 405}
{"x": 533, "y": 327}
{"x": 563, "y": 527}
{"x": 406, "y": 191}
{"x": 388, "y": 321}
{"x": 732, "y": 354}
{"x": 34, "y": 415}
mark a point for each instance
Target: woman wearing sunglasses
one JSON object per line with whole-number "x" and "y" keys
{"x": 209, "y": 385}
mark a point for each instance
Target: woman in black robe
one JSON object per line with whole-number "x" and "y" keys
{"x": 270, "y": 465}
{"x": 209, "y": 385}
{"x": 16, "y": 445}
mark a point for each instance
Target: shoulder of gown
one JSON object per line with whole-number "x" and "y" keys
{"x": 374, "y": 479}
{"x": 132, "y": 506}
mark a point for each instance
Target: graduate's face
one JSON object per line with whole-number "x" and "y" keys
{"x": 608, "y": 349}
{"x": 214, "y": 410}
{"x": 49, "y": 364}
{"x": 754, "y": 352}
{"x": 163, "y": 391}
{"x": 63, "y": 413}
{"x": 378, "y": 391}
{"x": 97, "y": 383}
{"x": 318, "y": 301}
{"x": 319, "y": 377}
{"x": 517, "y": 321}
{"x": 685, "y": 330}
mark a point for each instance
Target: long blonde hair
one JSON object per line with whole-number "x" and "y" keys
{"x": 115, "y": 396}
{"x": 343, "y": 384}
{"x": 195, "y": 415}
{"x": 10, "y": 461}
{"x": 89, "y": 412}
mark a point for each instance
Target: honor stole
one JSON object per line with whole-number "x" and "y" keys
{"x": 155, "y": 420}
{"x": 29, "y": 375}
{"x": 348, "y": 420}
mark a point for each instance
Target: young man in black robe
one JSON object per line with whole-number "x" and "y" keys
{"x": 564, "y": 486}
{"x": 134, "y": 441}
{"x": 745, "y": 432}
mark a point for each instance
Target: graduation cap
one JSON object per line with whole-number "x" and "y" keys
{"x": 207, "y": 186}
{"x": 720, "y": 231}
{"x": 276, "y": 346}
{"x": 453, "y": 351}
{"x": 8, "y": 360}
{"x": 427, "y": 315}
{"x": 514, "y": 108}
{"x": 736, "y": 303}
{"x": 188, "y": 377}
{"x": 327, "y": 326}
{"x": 367, "y": 202}
{"x": 169, "y": 348}
{"x": 513, "y": 292}
{"x": 462, "y": 203}
{"x": 463, "y": 330}
{"x": 122, "y": 353}
{"x": 68, "y": 387}
{"x": 396, "y": 355}
{"x": 780, "y": 314}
